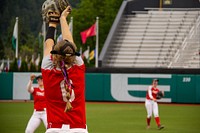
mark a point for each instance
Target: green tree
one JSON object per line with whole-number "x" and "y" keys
{"x": 39, "y": 66}
{"x": 85, "y": 15}
{"x": 24, "y": 66}
{"x": 14, "y": 66}
{"x": 2, "y": 55}
{"x": 32, "y": 67}
{"x": 30, "y": 22}
{"x": 74, "y": 3}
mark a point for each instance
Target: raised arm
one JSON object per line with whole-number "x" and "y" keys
{"x": 66, "y": 34}
{"x": 49, "y": 40}
{"x": 29, "y": 85}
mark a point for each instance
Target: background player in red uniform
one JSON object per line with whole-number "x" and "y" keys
{"x": 74, "y": 120}
{"x": 152, "y": 105}
{"x": 39, "y": 113}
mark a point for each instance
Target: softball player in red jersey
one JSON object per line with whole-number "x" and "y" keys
{"x": 59, "y": 121}
{"x": 152, "y": 105}
{"x": 39, "y": 113}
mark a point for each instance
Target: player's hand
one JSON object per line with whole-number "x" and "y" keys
{"x": 154, "y": 99}
{"x": 32, "y": 77}
{"x": 66, "y": 12}
{"x": 159, "y": 94}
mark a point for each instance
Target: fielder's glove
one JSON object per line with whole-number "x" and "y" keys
{"x": 52, "y": 7}
{"x": 159, "y": 95}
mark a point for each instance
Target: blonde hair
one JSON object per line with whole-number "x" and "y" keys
{"x": 68, "y": 59}
{"x": 64, "y": 51}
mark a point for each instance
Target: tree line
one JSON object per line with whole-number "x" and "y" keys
{"x": 84, "y": 13}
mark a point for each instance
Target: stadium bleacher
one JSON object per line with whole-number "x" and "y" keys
{"x": 155, "y": 38}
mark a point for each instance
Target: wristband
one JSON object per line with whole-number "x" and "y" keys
{"x": 50, "y": 33}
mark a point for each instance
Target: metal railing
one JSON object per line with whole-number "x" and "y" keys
{"x": 192, "y": 34}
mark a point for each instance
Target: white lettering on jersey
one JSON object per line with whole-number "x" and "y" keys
{"x": 40, "y": 93}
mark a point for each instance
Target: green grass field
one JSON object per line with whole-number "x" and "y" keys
{"x": 110, "y": 118}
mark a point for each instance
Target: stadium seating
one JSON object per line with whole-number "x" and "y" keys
{"x": 155, "y": 39}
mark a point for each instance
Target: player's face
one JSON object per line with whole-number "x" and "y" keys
{"x": 155, "y": 82}
{"x": 40, "y": 82}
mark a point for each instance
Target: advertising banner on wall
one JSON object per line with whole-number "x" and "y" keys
{"x": 121, "y": 87}
{"x": 133, "y": 87}
{"x": 20, "y": 81}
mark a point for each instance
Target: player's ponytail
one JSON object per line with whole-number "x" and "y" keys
{"x": 68, "y": 96}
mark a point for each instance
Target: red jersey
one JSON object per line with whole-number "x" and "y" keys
{"x": 151, "y": 93}
{"x": 39, "y": 98}
{"x": 53, "y": 82}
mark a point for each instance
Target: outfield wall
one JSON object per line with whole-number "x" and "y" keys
{"x": 124, "y": 87}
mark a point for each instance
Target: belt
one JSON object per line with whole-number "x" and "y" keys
{"x": 40, "y": 109}
{"x": 57, "y": 125}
